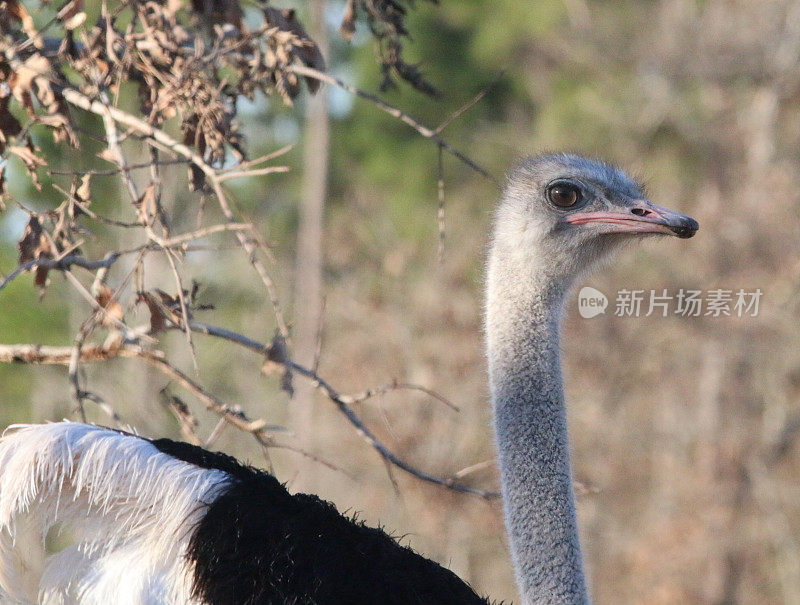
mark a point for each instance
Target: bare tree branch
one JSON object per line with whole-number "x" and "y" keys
{"x": 61, "y": 355}
{"x": 60, "y": 264}
{"x": 80, "y": 100}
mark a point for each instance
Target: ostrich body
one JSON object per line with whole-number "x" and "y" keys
{"x": 162, "y": 522}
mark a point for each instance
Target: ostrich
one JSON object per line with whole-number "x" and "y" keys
{"x": 163, "y": 522}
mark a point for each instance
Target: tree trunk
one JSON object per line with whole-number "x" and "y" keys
{"x": 308, "y": 273}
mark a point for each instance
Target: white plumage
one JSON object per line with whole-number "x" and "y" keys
{"x": 121, "y": 506}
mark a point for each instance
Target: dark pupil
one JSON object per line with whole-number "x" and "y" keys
{"x": 563, "y": 195}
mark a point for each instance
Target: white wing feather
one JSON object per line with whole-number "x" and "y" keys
{"x": 122, "y": 510}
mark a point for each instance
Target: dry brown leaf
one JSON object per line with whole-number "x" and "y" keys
{"x": 158, "y": 320}
{"x": 276, "y": 363}
{"x": 29, "y": 245}
{"x": 146, "y": 204}
{"x": 72, "y": 15}
{"x": 348, "y": 27}
{"x": 33, "y": 246}
{"x": 171, "y": 303}
{"x": 57, "y": 119}
{"x": 30, "y": 159}
{"x": 35, "y": 67}
{"x": 83, "y": 191}
{"x": 165, "y": 310}
{"x": 107, "y": 155}
{"x": 9, "y": 125}
{"x": 114, "y": 313}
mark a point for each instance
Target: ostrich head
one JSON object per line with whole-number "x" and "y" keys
{"x": 564, "y": 213}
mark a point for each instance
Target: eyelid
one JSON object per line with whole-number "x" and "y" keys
{"x": 567, "y": 181}
{"x": 582, "y": 190}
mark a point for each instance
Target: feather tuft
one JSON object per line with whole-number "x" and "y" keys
{"x": 120, "y": 511}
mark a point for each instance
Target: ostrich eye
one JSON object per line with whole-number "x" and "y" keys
{"x": 564, "y": 195}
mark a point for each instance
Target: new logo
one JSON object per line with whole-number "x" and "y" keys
{"x": 591, "y": 302}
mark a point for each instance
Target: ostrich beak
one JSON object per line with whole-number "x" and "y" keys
{"x": 640, "y": 217}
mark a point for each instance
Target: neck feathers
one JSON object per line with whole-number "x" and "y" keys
{"x": 524, "y": 308}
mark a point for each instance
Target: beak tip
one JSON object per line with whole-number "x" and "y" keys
{"x": 686, "y": 229}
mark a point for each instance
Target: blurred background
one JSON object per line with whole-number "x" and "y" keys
{"x": 684, "y": 429}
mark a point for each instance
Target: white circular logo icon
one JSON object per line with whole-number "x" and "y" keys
{"x": 591, "y": 302}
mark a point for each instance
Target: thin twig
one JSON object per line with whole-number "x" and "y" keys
{"x": 155, "y": 180}
{"x": 312, "y": 457}
{"x": 396, "y": 113}
{"x": 106, "y": 407}
{"x": 468, "y": 105}
{"x": 116, "y": 171}
{"x": 262, "y": 349}
{"x": 184, "y": 309}
{"x": 114, "y": 146}
{"x": 440, "y": 212}
{"x": 474, "y": 468}
{"x": 185, "y": 418}
{"x": 213, "y": 403}
{"x": 318, "y": 339}
{"x": 204, "y": 232}
{"x": 74, "y": 365}
{"x": 215, "y": 433}
{"x": 240, "y": 174}
{"x": 259, "y": 160}
{"x": 398, "y": 386}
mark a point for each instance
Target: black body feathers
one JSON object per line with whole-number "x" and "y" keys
{"x": 258, "y": 544}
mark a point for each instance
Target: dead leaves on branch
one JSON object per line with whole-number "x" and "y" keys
{"x": 146, "y": 206}
{"x": 192, "y": 60}
{"x": 386, "y": 20}
{"x": 33, "y": 246}
{"x": 290, "y": 41}
{"x": 13, "y": 10}
{"x": 165, "y": 310}
{"x": 189, "y": 64}
{"x": 166, "y": 313}
{"x": 80, "y": 193}
{"x": 30, "y": 80}
{"x": 31, "y": 160}
{"x": 51, "y": 235}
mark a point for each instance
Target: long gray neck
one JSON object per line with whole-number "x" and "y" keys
{"x": 524, "y": 307}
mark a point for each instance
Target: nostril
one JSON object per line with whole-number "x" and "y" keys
{"x": 640, "y": 212}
